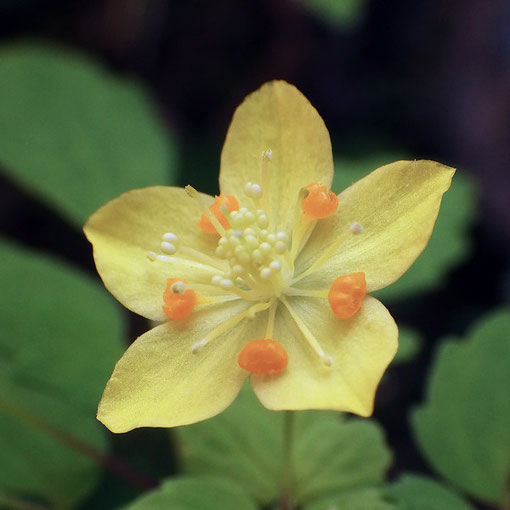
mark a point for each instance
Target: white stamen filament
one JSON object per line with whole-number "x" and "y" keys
{"x": 229, "y": 324}
{"x": 193, "y": 193}
{"x": 326, "y": 359}
{"x": 270, "y": 319}
{"x": 326, "y": 255}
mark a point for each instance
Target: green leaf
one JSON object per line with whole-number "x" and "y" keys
{"x": 192, "y": 493}
{"x": 449, "y": 244}
{"x": 415, "y": 492}
{"x": 61, "y": 335}
{"x": 463, "y": 427}
{"x": 330, "y": 453}
{"x": 73, "y": 133}
{"x": 343, "y": 14}
{"x": 409, "y": 345}
{"x": 372, "y": 499}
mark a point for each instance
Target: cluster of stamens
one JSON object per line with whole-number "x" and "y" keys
{"x": 255, "y": 254}
{"x": 259, "y": 268}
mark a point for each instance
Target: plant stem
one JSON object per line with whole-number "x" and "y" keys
{"x": 287, "y": 462}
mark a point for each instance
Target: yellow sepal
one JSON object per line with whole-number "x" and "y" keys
{"x": 396, "y": 207}
{"x": 279, "y": 118}
{"x": 125, "y": 230}
{"x": 361, "y": 347}
{"x": 159, "y": 382}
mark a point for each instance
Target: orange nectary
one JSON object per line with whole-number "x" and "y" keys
{"x": 346, "y": 294}
{"x": 319, "y": 203}
{"x": 263, "y": 356}
{"x": 230, "y": 201}
{"x": 178, "y": 305}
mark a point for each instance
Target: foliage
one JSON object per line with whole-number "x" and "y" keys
{"x": 415, "y": 492}
{"x": 191, "y": 493}
{"x": 55, "y": 358}
{"x": 331, "y": 454}
{"x": 449, "y": 244}
{"x": 462, "y": 428}
{"x": 64, "y": 116}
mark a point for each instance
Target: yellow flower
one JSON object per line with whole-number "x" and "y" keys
{"x": 269, "y": 280}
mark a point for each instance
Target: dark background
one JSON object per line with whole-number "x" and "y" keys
{"x": 429, "y": 77}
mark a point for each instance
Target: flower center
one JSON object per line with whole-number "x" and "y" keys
{"x": 257, "y": 256}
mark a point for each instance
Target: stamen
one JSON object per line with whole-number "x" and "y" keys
{"x": 270, "y": 319}
{"x": 169, "y": 243}
{"x": 302, "y": 234}
{"x": 214, "y": 225}
{"x": 356, "y": 228}
{"x": 228, "y": 324}
{"x": 253, "y": 190}
{"x": 264, "y": 176}
{"x": 153, "y": 257}
{"x": 263, "y": 356}
{"x": 171, "y": 238}
{"x": 319, "y": 203}
{"x": 179, "y": 301}
{"x": 326, "y": 255}
{"x": 202, "y": 257}
{"x": 347, "y": 293}
{"x": 326, "y": 359}
{"x": 168, "y": 248}
{"x": 292, "y": 291}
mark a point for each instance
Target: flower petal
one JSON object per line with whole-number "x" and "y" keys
{"x": 127, "y": 228}
{"x": 276, "y": 117}
{"x": 396, "y": 206}
{"x": 159, "y": 382}
{"x": 361, "y": 347}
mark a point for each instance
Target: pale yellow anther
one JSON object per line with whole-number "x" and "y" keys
{"x": 216, "y": 279}
{"x": 275, "y": 265}
{"x": 265, "y": 273}
{"x": 356, "y": 228}
{"x": 226, "y": 284}
{"x": 170, "y": 237}
{"x": 238, "y": 269}
{"x": 168, "y": 248}
{"x": 280, "y": 247}
{"x": 257, "y": 256}
{"x": 265, "y": 248}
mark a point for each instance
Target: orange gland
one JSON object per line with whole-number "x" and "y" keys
{"x": 319, "y": 203}
{"x": 346, "y": 294}
{"x": 263, "y": 356}
{"x": 179, "y": 301}
{"x": 230, "y": 202}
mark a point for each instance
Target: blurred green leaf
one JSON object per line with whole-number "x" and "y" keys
{"x": 331, "y": 453}
{"x": 449, "y": 244}
{"x": 409, "y": 345}
{"x": 61, "y": 335}
{"x": 75, "y": 134}
{"x": 415, "y": 492}
{"x": 463, "y": 428}
{"x": 338, "y": 13}
{"x": 194, "y": 493}
{"x": 365, "y": 499}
